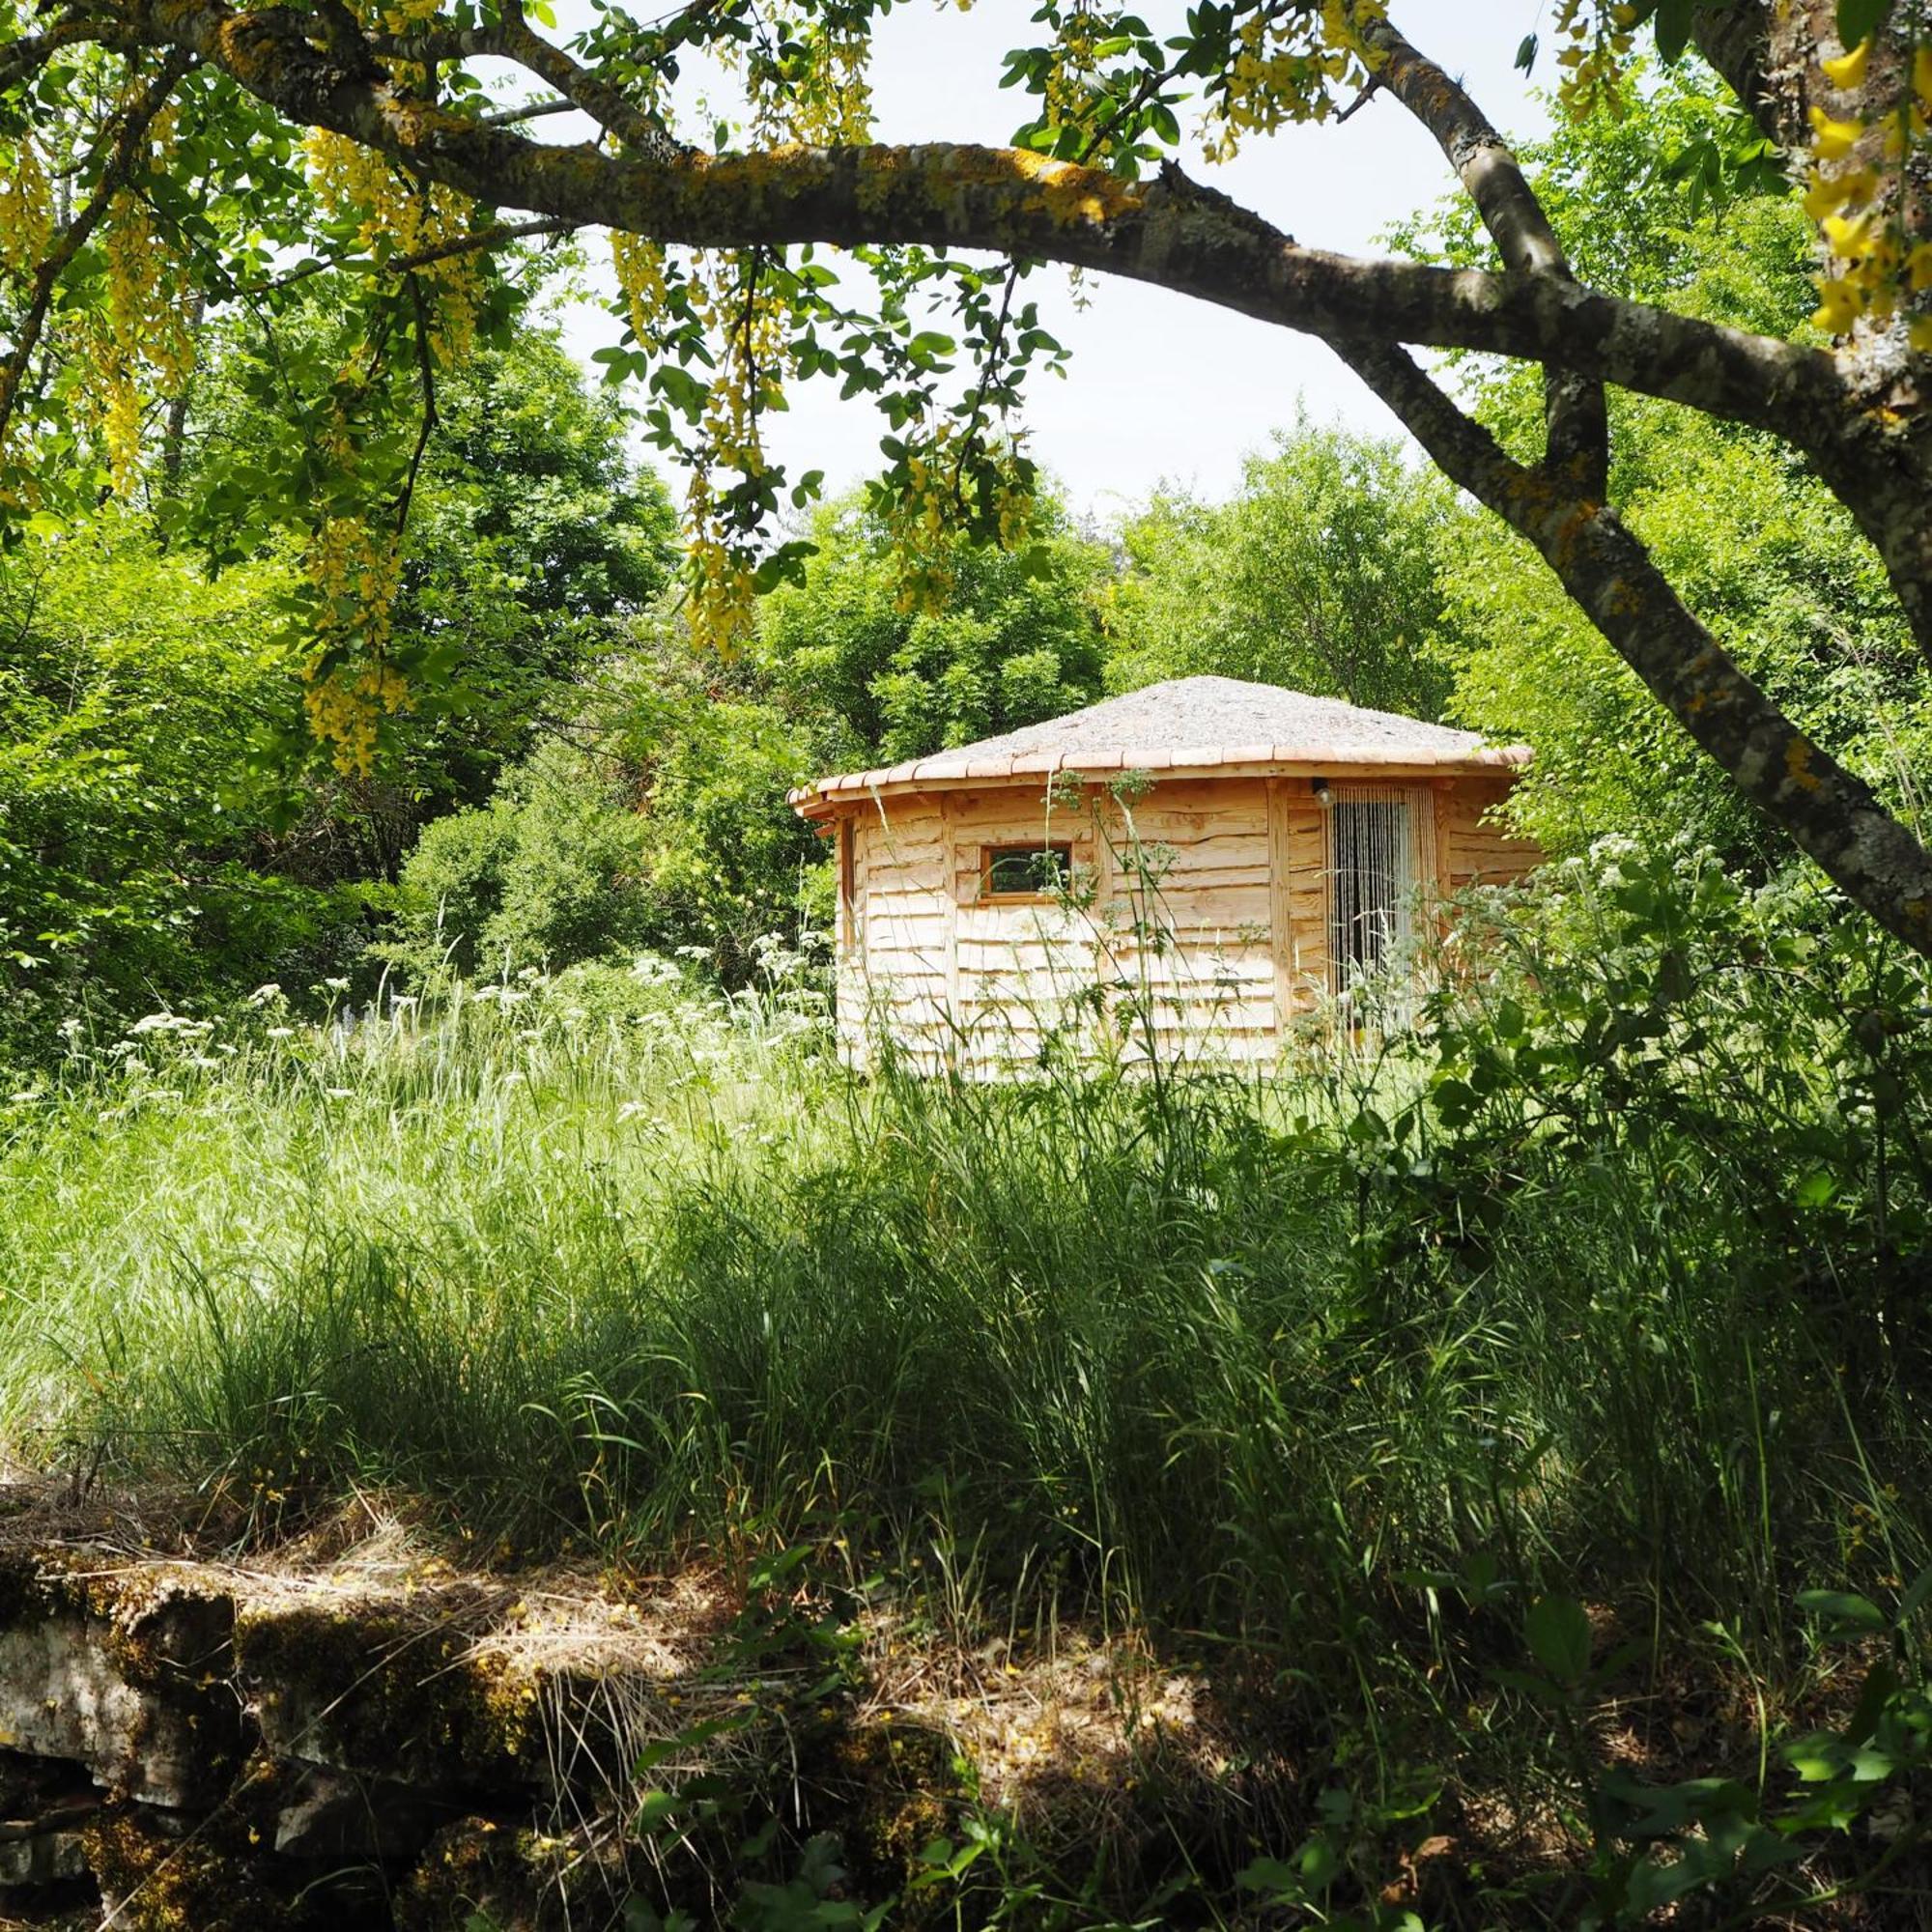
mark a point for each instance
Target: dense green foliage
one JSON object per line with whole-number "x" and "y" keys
{"x": 132, "y": 818}
{"x": 1017, "y": 640}
{"x": 169, "y": 833}
{"x": 1319, "y": 573}
{"x": 658, "y": 815}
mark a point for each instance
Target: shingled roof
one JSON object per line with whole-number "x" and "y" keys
{"x": 1189, "y": 724}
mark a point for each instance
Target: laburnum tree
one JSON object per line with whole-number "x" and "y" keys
{"x": 159, "y": 157}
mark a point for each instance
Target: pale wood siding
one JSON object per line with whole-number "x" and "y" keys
{"x": 1305, "y": 841}
{"x": 1481, "y": 851}
{"x": 1023, "y": 965}
{"x": 1188, "y": 919}
{"x": 897, "y": 975}
{"x": 1200, "y": 910}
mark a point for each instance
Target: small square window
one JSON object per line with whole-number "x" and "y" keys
{"x": 1025, "y": 872}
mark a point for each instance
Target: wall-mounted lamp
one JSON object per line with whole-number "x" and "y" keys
{"x": 1323, "y": 797}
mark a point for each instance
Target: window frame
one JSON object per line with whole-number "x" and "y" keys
{"x": 990, "y": 894}
{"x": 848, "y": 883}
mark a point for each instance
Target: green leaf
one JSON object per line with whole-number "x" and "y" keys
{"x": 1673, "y": 27}
{"x": 1914, "y": 1600}
{"x": 1815, "y": 1189}
{"x": 1860, "y": 20}
{"x": 1557, "y": 1629}
{"x": 1280, "y": 1880}
{"x": 1844, "y": 1606}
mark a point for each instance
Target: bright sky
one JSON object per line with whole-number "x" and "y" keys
{"x": 1160, "y": 388}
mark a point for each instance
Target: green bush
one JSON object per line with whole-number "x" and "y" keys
{"x": 138, "y": 835}
{"x": 549, "y": 872}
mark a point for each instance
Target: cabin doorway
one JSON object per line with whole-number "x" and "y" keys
{"x": 1380, "y": 853}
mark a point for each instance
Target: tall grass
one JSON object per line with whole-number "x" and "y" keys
{"x": 1590, "y": 1286}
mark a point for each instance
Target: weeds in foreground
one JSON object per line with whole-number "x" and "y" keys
{"x": 1604, "y": 1286}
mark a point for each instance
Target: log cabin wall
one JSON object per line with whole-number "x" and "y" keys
{"x": 897, "y": 947}
{"x": 1025, "y": 966}
{"x": 1232, "y": 873}
{"x": 1188, "y": 916}
{"x": 1480, "y": 851}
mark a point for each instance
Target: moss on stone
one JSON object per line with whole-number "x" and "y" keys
{"x": 387, "y": 1691}
{"x": 477, "y": 1868}
{"x": 887, "y": 1788}
{"x": 206, "y": 1881}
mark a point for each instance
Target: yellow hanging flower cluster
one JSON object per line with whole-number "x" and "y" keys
{"x": 924, "y": 520}
{"x": 344, "y": 707}
{"x": 831, "y": 103}
{"x": 1594, "y": 56}
{"x": 740, "y": 308}
{"x": 821, "y": 96}
{"x": 723, "y": 594}
{"x": 147, "y": 335}
{"x": 400, "y": 16}
{"x": 141, "y": 339}
{"x": 1851, "y": 191}
{"x": 640, "y": 273}
{"x": 1290, "y": 67}
{"x": 731, "y": 299}
{"x": 354, "y": 571}
{"x": 1073, "y": 68}
{"x": 1016, "y": 507}
{"x": 354, "y": 182}
{"x": 919, "y": 521}
{"x": 26, "y": 206}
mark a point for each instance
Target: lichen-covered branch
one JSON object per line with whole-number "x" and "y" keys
{"x": 1831, "y": 813}
{"x": 1168, "y": 231}
{"x": 1575, "y": 414}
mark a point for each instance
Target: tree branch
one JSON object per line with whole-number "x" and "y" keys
{"x": 1735, "y": 37}
{"x": 477, "y": 243}
{"x": 1833, "y": 815}
{"x": 426, "y": 372}
{"x": 1575, "y": 412}
{"x": 609, "y": 106}
{"x": 535, "y": 111}
{"x": 32, "y": 51}
{"x": 1170, "y": 231}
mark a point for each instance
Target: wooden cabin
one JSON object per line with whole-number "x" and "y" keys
{"x": 1187, "y": 868}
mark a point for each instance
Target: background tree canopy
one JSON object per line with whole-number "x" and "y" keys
{"x": 416, "y": 195}
{"x": 1320, "y": 575}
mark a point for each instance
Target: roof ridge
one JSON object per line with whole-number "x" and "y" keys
{"x": 1202, "y": 721}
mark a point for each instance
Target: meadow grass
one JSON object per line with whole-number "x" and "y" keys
{"x": 1303, "y": 1367}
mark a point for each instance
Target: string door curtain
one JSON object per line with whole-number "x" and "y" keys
{"x": 1377, "y": 862}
